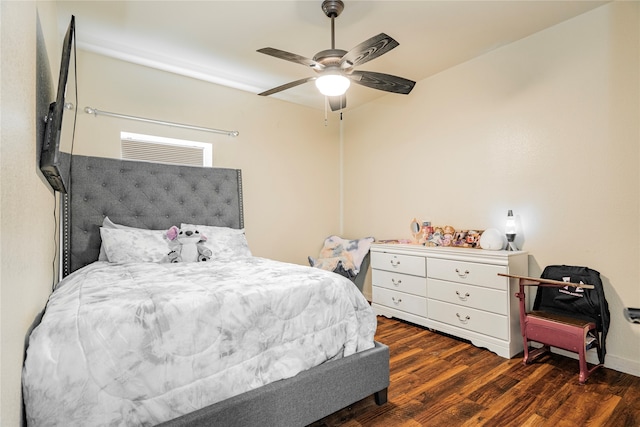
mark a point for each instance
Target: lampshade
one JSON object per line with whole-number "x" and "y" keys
{"x": 510, "y": 231}
{"x": 510, "y": 226}
{"x": 332, "y": 84}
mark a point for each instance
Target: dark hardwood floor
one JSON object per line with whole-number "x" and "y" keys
{"x": 437, "y": 380}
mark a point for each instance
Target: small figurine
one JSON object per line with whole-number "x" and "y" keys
{"x": 473, "y": 238}
{"x": 460, "y": 238}
{"x": 436, "y": 237}
{"x": 447, "y": 237}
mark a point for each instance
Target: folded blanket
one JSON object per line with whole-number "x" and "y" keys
{"x": 342, "y": 256}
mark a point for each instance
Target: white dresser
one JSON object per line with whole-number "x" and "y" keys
{"x": 452, "y": 290}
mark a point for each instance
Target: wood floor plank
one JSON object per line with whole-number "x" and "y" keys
{"x": 440, "y": 381}
{"x": 585, "y": 408}
{"x": 451, "y": 410}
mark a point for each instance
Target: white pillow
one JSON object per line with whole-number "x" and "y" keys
{"x": 224, "y": 242}
{"x": 107, "y": 223}
{"x": 135, "y": 245}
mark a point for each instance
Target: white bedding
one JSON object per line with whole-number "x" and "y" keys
{"x": 141, "y": 343}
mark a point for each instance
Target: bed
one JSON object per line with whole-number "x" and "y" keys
{"x": 182, "y": 316}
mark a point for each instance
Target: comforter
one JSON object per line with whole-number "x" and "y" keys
{"x": 142, "y": 343}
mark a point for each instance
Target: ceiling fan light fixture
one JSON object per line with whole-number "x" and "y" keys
{"x": 335, "y": 67}
{"x": 332, "y": 84}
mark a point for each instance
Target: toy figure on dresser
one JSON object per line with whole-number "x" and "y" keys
{"x": 473, "y": 239}
{"x": 460, "y": 238}
{"x": 436, "y": 238}
{"x": 426, "y": 231}
{"x": 447, "y": 237}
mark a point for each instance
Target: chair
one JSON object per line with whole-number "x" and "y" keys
{"x": 349, "y": 258}
{"x": 571, "y": 317}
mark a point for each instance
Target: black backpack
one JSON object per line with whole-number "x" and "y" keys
{"x": 585, "y": 304}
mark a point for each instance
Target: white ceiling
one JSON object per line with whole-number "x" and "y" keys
{"x": 216, "y": 41}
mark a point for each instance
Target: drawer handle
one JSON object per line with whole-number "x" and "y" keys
{"x": 396, "y": 301}
{"x": 394, "y": 262}
{"x": 396, "y": 282}
{"x": 464, "y": 319}
{"x": 462, "y": 274}
{"x": 463, "y": 297}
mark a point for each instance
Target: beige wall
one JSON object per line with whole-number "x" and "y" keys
{"x": 286, "y": 153}
{"x": 26, "y": 218}
{"x": 547, "y": 126}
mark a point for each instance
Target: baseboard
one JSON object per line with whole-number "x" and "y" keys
{"x": 611, "y": 361}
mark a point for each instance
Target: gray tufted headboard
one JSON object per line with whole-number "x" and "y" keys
{"x": 143, "y": 195}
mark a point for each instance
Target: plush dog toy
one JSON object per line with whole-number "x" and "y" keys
{"x": 190, "y": 245}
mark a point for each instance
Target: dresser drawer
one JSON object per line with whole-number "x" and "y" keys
{"x": 399, "y": 282}
{"x": 486, "y": 299}
{"x": 468, "y": 272}
{"x": 471, "y": 319}
{"x": 400, "y": 301}
{"x": 407, "y": 264}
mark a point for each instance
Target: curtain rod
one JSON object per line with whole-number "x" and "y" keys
{"x": 96, "y": 112}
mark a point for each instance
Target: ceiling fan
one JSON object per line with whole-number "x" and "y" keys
{"x": 335, "y": 67}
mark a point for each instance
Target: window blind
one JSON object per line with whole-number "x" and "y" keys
{"x": 165, "y": 150}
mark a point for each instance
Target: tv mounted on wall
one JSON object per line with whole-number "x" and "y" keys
{"x": 61, "y": 112}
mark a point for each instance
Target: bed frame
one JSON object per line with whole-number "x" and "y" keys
{"x": 157, "y": 196}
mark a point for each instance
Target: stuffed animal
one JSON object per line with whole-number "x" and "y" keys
{"x": 437, "y": 237}
{"x": 473, "y": 238}
{"x": 189, "y": 245}
{"x": 447, "y": 237}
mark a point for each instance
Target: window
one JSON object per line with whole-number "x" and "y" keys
{"x": 158, "y": 149}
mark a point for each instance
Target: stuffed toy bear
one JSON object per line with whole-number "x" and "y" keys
{"x": 189, "y": 245}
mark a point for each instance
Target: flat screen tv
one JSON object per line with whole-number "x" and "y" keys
{"x": 61, "y": 118}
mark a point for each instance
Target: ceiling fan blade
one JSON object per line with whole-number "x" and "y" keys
{"x": 337, "y": 102}
{"x": 381, "y": 81}
{"x": 288, "y": 56}
{"x": 287, "y": 86}
{"x": 368, "y": 50}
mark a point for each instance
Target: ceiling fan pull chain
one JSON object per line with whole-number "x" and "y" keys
{"x": 326, "y": 102}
